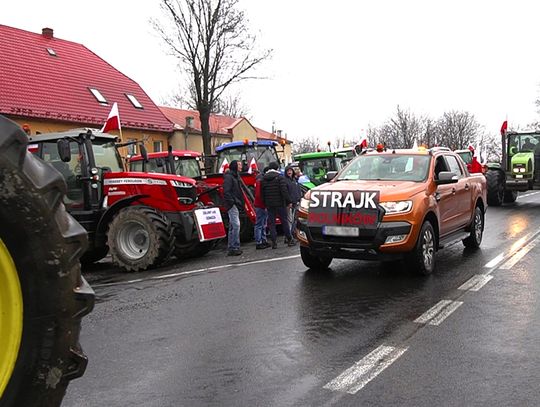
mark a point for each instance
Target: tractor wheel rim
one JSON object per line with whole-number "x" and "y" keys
{"x": 133, "y": 240}
{"x": 11, "y": 316}
{"x": 478, "y": 226}
{"x": 428, "y": 248}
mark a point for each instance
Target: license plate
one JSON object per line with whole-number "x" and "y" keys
{"x": 519, "y": 176}
{"x": 340, "y": 231}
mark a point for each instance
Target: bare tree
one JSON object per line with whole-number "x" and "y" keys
{"x": 231, "y": 106}
{"x": 457, "y": 129}
{"x": 402, "y": 130}
{"x": 211, "y": 40}
{"x": 305, "y": 145}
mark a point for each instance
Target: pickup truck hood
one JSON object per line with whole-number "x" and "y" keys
{"x": 389, "y": 190}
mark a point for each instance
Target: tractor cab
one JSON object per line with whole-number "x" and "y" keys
{"x": 180, "y": 162}
{"x": 247, "y": 152}
{"x": 315, "y": 166}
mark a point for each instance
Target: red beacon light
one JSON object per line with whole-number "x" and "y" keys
{"x": 246, "y": 141}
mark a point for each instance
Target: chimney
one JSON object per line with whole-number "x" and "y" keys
{"x": 47, "y": 32}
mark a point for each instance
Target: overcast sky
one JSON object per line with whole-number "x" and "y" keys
{"x": 338, "y": 66}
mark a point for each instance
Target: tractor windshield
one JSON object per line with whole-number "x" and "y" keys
{"x": 521, "y": 143}
{"x": 263, "y": 155}
{"x": 106, "y": 156}
{"x": 316, "y": 169}
{"x": 188, "y": 166}
{"x": 387, "y": 167}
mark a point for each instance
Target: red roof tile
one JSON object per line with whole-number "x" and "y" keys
{"x": 218, "y": 124}
{"x": 35, "y": 84}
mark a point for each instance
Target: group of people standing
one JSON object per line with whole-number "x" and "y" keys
{"x": 276, "y": 196}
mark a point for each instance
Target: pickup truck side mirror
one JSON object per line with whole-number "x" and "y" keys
{"x": 330, "y": 175}
{"x": 446, "y": 177}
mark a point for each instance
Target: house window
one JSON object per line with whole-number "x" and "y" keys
{"x": 134, "y": 101}
{"x": 132, "y": 148}
{"x": 51, "y": 52}
{"x": 97, "y": 94}
{"x": 158, "y": 146}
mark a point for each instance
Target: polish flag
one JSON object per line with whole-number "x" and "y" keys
{"x": 363, "y": 142}
{"x": 224, "y": 166}
{"x": 113, "y": 121}
{"x": 252, "y": 166}
{"x": 475, "y": 166}
{"x": 504, "y": 127}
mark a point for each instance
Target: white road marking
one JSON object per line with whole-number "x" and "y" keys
{"x": 519, "y": 254}
{"x": 439, "y": 312}
{"x": 186, "y": 273}
{"x": 495, "y": 261}
{"x": 362, "y": 372}
{"x": 476, "y": 282}
{"x": 529, "y": 194}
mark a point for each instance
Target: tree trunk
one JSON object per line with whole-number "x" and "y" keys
{"x": 204, "y": 114}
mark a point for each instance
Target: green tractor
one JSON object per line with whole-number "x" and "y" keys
{"x": 519, "y": 170}
{"x": 315, "y": 166}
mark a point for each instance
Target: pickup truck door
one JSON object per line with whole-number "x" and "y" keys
{"x": 444, "y": 195}
{"x": 462, "y": 193}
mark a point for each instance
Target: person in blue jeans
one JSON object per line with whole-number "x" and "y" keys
{"x": 261, "y": 213}
{"x": 234, "y": 202}
{"x": 276, "y": 199}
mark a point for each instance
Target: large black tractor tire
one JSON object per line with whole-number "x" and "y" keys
{"x": 314, "y": 262}
{"x": 422, "y": 258}
{"x": 140, "y": 237}
{"x": 495, "y": 187}
{"x": 477, "y": 230}
{"x": 42, "y": 294}
{"x": 510, "y": 196}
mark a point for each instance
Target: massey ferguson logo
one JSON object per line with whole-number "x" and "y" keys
{"x": 344, "y": 208}
{"x": 337, "y": 199}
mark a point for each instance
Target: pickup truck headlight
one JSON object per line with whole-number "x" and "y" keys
{"x": 392, "y": 208}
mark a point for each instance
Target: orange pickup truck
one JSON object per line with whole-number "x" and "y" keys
{"x": 392, "y": 205}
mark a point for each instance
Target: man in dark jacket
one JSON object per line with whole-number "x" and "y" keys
{"x": 260, "y": 212}
{"x": 234, "y": 203}
{"x": 295, "y": 193}
{"x": 276, "y": 198}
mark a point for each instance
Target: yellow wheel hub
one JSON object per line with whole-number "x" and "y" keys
{"x": 11, "y": 316}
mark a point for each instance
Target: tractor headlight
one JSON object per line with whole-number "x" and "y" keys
{"x": 522, "y": 169}
{"x": 396, "y": 207}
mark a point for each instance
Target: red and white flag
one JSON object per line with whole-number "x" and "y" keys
{"x": 363, "y": 142}
{"x": 252, "y": 166}
{"x": 113, "y": 121}
{"x": 504, "y": 127}
{"x": 224, "y": 166}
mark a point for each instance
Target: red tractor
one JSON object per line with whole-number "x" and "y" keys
{"x": 140, "y": 218}
{"x": 188, "y": 163}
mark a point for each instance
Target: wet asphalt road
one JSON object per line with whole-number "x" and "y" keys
{"x": 267, "y": 332}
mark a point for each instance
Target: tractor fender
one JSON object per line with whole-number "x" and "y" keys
{"x": 101, "y": 230}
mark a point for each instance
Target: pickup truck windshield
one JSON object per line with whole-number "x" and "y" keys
{"x": 387, "y": 167}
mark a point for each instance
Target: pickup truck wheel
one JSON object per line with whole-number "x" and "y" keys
{"x": 422, "y": 258}
{"x": 477, "y": 230}
{"x": 510, "y": 196}
{"x": 42, "y": 294}
{"x": 314, "y": 262}
{"x": 495, "y": 187}
{"x": 140, "y": 237}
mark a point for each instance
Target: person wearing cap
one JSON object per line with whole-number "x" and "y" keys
{"x": 276, "y": 199}
{"x": 234, "y": 203}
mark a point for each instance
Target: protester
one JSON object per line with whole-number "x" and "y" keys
{"x": 276, "y": 199}
{"x": 261, "y": 213}
{"x": 295, "y": 193}
{"x": 234, "y": 203}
